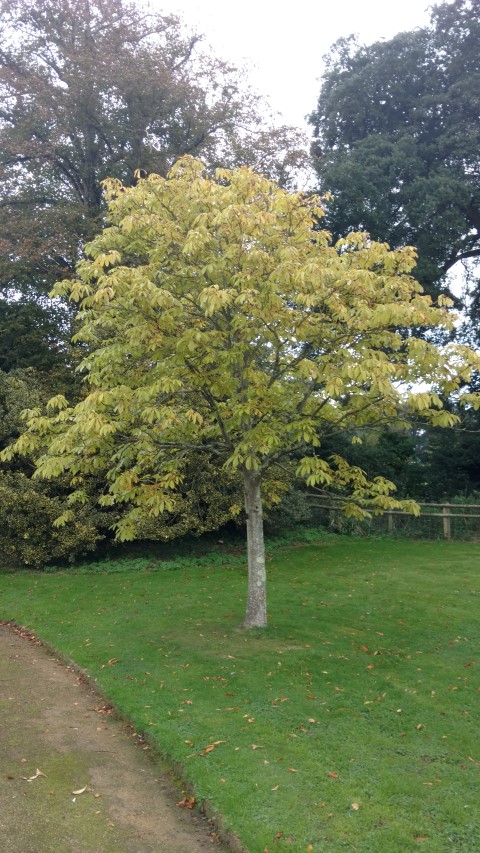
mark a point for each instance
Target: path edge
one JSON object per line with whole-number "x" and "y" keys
{"x": 203, "y": 806}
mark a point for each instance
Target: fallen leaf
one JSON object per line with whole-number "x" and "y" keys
{"x": 32, "y": 778}
{"x": 292, "y": 770}
{"x": 276, "y": 788}
{"x": 80, "y": 790}
{"x": 355, "y": 807}
{"x": 310, "y": 848}
{"x": 113, "y": 660}
{"x": 105, "y": 709}
{"x": 211, "y": 747}
{"x": 256, "y": 746}
{"x": 187, "y": 803}
{"x": 333, "y": 775}
{"x": 420, "y": 838}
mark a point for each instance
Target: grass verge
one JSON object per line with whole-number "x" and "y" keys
{"x": 349, "y": 724}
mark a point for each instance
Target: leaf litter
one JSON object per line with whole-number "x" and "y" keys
{"x": 37, "y": 775}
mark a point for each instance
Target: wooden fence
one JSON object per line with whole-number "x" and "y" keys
{"x": 445, "y": 520}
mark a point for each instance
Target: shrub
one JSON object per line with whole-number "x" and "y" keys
{"x": 28, "y": 537}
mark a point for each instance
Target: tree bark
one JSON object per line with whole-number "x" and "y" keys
{"x": 256, "y": 613}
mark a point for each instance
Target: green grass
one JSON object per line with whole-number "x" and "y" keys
{"x": 363, "y": 690}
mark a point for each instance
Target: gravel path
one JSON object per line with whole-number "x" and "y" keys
{"x": 52, "y": 722}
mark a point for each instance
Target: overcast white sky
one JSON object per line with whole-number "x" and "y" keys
{"x": 285, "y": 42}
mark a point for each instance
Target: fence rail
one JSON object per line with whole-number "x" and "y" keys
{"x": 448, "y": 520}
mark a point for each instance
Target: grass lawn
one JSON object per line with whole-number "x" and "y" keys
{"x": 351, "y": 723}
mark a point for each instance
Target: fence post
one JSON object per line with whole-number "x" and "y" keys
{"x": 390, "y": 522}
{"x": 447, "y": 527}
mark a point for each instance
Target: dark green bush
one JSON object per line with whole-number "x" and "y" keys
{"x": 27, "y": 535}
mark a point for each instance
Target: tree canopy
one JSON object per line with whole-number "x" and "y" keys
{"x": 91, "y": 89}
{"x": 217, "y": 321}
{"x": 397, "y": 139}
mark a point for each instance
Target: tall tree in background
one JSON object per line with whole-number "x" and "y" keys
{"x": 397, "y": 131}
{"x": 90, "y": 89}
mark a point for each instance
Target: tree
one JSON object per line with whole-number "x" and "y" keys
{"x": 219, "y": 322}
{"x": 91, "y": 89}
{"x": 35, "y": 333}
{"x": 27, "y": 508}
{"x": 397, "y": 133}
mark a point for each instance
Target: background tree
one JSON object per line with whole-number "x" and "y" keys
{"x": 28, "y": 509}
{"x": 397, "y": 140}
{"x": 219, "y": 323}
{"x": 91, "y": 89}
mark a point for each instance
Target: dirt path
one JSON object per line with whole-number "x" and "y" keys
{"x": 50, "y": 721}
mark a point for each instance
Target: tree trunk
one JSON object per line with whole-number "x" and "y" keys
{"x": 256, "y": 613}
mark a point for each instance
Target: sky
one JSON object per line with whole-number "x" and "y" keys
{"x": 284, "y": 44}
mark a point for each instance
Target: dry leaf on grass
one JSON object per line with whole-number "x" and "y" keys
{"x": 211, "y": 747}
{"x": 80, "y": 790}
{"x": 32, "y": 778}
{"x": 207, "y": 749}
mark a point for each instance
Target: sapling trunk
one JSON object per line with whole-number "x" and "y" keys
{"x": 256, "y": 613}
